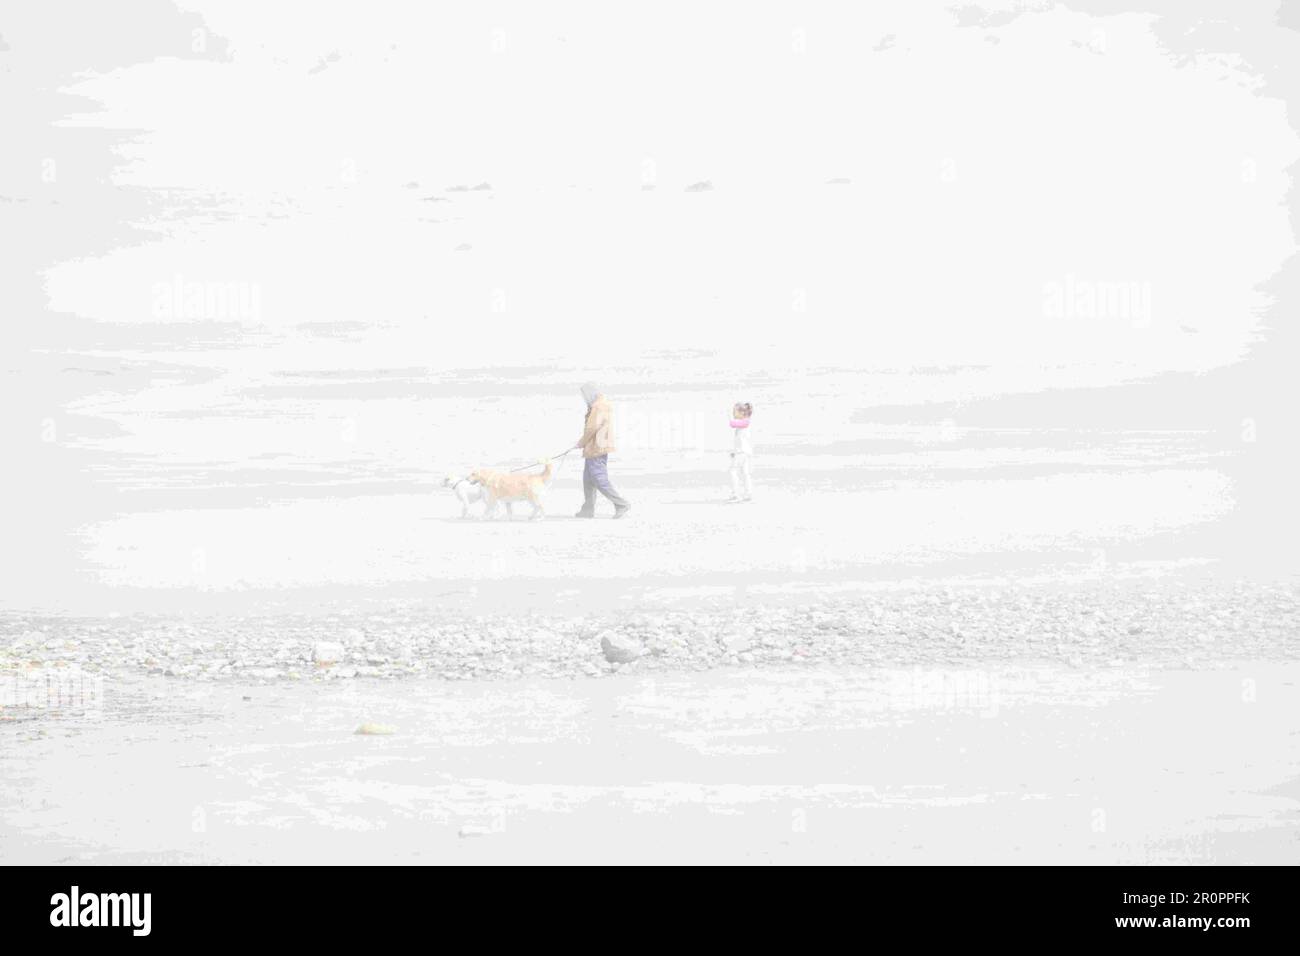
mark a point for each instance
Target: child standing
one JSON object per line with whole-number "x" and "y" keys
{"x": 742, "y": 484}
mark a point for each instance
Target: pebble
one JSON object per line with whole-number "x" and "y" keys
{"x": 735, "y": 639}
{"x": 327, "y": 652}
{"x": 913, "y": 626}
{"x": 620, "y": 648}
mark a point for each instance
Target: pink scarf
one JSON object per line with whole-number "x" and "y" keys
{"x": 740, "y": 423}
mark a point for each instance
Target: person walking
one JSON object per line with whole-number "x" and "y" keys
{"x": 597, "y": 442}
{"x": 742, "y": 480}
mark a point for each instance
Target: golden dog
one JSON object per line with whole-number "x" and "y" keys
{"x": 507, "y": 487}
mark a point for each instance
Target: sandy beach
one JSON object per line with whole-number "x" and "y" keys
{"x": 1147, "y": 723}
{"x": 1018, "y": 580}
{"x": 966, "y": 640}
{"x": 788, "y": 765}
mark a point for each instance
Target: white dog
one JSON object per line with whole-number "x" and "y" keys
{"x": 466, "y": 491}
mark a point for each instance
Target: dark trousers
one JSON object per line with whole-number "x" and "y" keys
{"x": 595, "y": 477}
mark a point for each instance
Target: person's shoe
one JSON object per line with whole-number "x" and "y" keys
{"x": 733, "y": 498}
{"x": 584, "y": 513}
{"x": 622, "y": 512}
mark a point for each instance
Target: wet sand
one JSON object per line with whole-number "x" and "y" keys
{"x": 791, "y": 764}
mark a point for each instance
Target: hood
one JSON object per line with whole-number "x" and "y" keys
{"x": 590, "y": 392}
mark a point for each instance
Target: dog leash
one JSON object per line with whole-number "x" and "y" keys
{"x": 562, "y": 454}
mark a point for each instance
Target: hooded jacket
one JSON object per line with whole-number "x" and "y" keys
{"x": 598, "y": 429}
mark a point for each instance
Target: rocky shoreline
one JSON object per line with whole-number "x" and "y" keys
{"x": 1160, "y": 625}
